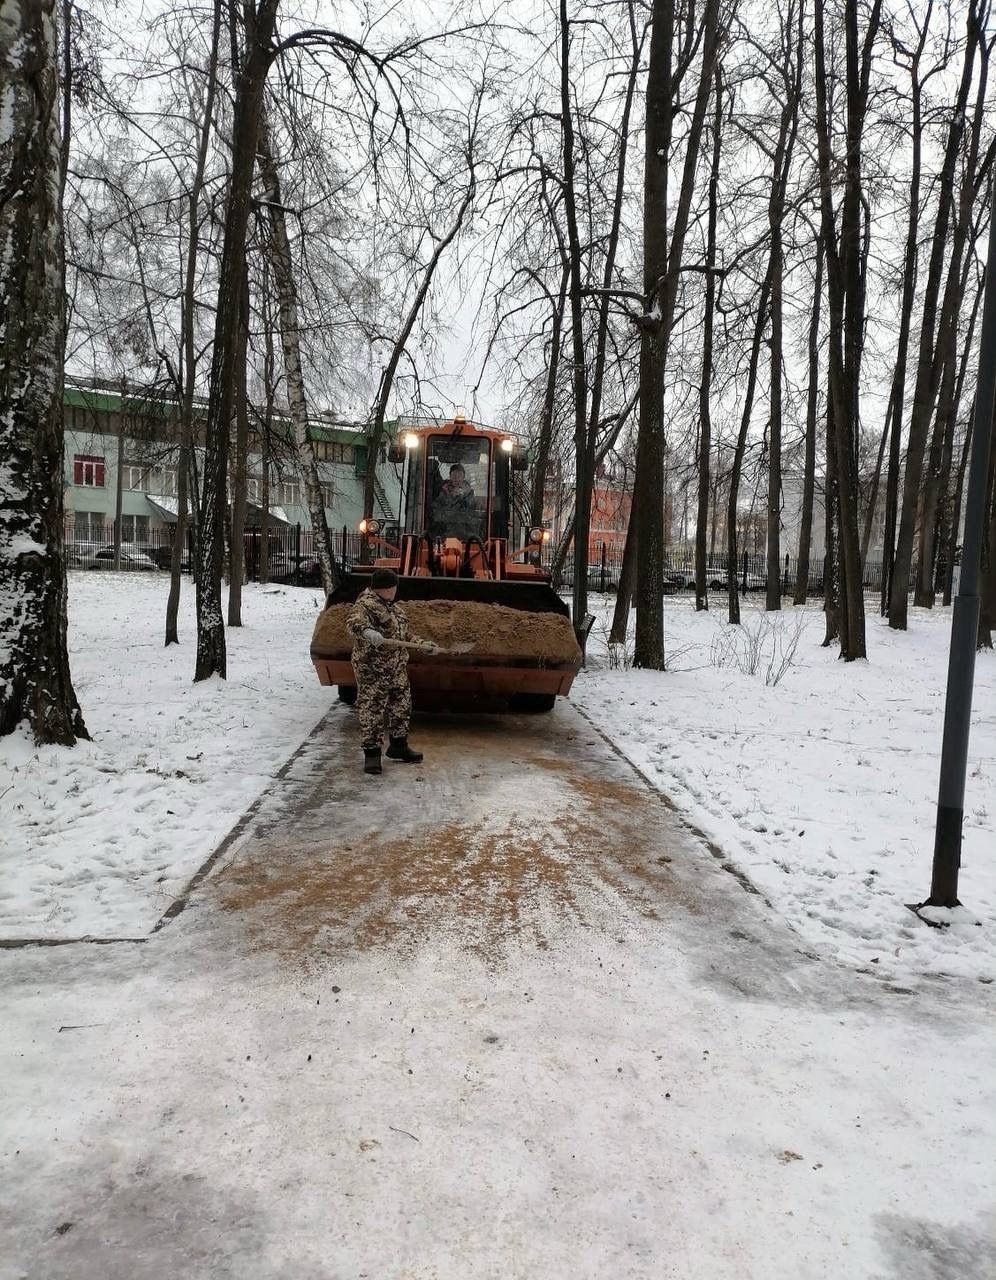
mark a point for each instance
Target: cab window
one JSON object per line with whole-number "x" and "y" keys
{"x": 456, "y": 495}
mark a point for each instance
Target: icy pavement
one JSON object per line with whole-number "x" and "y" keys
{"x": 499, "y": 1015}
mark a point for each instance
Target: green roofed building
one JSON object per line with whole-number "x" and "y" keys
{"x": 129, "y": 438}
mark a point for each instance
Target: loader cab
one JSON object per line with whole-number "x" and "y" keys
{"x": 457, "y": 483}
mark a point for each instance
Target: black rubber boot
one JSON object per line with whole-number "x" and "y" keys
{"x": 371, "y": 760}
{"x": 400, "y": 750}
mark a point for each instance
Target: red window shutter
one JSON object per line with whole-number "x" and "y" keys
{"x": 99, "y": 474}
{"x": 77, "y": 470}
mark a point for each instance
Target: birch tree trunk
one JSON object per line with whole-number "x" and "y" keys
{"x": 282, "y": 267}
{"x": 35, "y": 682}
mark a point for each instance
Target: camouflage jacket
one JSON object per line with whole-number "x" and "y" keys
{"x": 371, "y": 610}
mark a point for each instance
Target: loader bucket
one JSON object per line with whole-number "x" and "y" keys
{"x": 534, "y": 597}
{"x": 522, "y": 648}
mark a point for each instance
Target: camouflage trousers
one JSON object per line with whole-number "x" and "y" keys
{"x": 384, "y": 697}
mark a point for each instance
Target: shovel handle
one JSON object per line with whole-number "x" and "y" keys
{"x": 405, "y": 644}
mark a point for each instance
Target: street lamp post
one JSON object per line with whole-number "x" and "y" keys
{"x": 965, "y": 620}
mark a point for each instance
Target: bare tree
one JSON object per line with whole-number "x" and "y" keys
{"x": 809, "y": 463}
{"x": 964, "y": 231}
{"x": 250, "y": 87}
{"x": 894, "y": 412}
{"x": 661, "y": 273}
{"x": 544, "y": 438}
{"x": 440, "y": 242}
{"x": 789, "y": 71}
{"x": 705, "y": 392}
{"x": 188, "y": 376}
{"x": 846, "y": 291}
{"x": 736, "y": 467}
{"x": 281, "y": 266}
{"x": 928, "y": 371}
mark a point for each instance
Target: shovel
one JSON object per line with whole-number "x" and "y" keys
{"x": 418, "y": 646}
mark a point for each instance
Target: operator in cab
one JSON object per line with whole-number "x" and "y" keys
{"x": 381, "y": 639}
{"x": 457, "y": 486}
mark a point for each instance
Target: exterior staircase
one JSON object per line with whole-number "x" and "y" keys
{"x": 383, "y": 505}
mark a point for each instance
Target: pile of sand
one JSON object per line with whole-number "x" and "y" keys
{"x": 494, "y": 631}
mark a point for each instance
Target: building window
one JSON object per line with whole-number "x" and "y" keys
{"x": 135, "y": 476}
{"x": 334, "y": 451}
{"x": 88, "y": 471}
{"x": 134, "y": 528}
{"x": 88, "y": 526}
{"x": 290, "y": 493}
{"x": 327, "y": 496}
{"x": 252, "y": 489}
{"x": 163, "y": 480}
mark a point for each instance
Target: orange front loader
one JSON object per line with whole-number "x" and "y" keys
{"x": 462, "y": 580}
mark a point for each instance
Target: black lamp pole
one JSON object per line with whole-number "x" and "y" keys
{"x": 965, "y": 620}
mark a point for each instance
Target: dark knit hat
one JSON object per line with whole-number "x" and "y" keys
{"x": 382, "y": 579}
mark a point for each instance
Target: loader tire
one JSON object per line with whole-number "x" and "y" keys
{"x": 533, "y": 703}
{"x": 347, "y": 694}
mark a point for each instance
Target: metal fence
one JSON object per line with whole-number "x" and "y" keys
{"x": 292, "y": 560}
{"x": 291, "y": 552}
{"x": 605, "y": 570}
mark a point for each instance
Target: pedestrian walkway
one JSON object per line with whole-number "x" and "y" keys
{"x": 497, "y": 1015}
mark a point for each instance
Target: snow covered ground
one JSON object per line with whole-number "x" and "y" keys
{"x": 821, "y": 788}
{"x": 99, "y": 839}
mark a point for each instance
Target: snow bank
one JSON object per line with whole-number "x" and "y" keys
{"x": 98, "y": 839}
{"x": 823, "y": 787}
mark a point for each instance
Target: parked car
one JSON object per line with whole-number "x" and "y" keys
{"x": 676, "y": 580}
{"x": 133, "y": 558}
{"x": 81, "y": 555}
{"x": 302, "y": 571}
{"x": 163, "y": 556}
{"x": 594, "y": 577}
{"x": 751, "y": 582}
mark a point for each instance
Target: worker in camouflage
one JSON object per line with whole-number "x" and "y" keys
{"x": 384, "y": 694}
